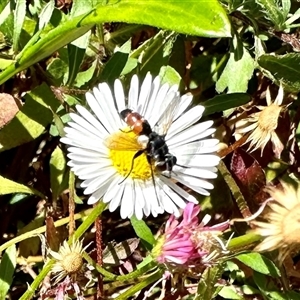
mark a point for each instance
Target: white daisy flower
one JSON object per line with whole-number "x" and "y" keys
{"x": 102, "y": 149}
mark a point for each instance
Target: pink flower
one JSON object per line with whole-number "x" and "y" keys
{"x": 64, "y": 288}
{"x": 188, "y": 241}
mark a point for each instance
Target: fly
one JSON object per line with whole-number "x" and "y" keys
{"x": 154, "y": 144}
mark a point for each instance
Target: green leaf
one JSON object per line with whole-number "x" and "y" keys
{"x": 238, "y": 70}
{"x": 143, "y": 232}
{"x": 249, "y": 290}
{"x": 224, "y": 102}
{"x": 261, "y": 281}
{"x": 293, "y": 18}
{"x": 229, "y": 292}
{"x": 57, "y": 171}
{"x": 32, "y": 244}
{"x": 259, "y": 263}
{"x": 122, "y": 34}
{"x": 16, "y": 198}
{"x": 205, "y": 70}
{"x": 8, "y": 186}
{"x": 31, "y": 121}
{"x": 273, "y": 12}
{"x": 46, "y": 14}
{"x": 80, "y": 7}
{"x": 85, "y": 76}
{"x": 202, "y": 18}
{"x": 286, "y": 6}
{"x": 207, "y": 286}
{"x": 289, "y": 295}
{"x": 58, "y": 70}
{"x": 7, "y": 19}
{"x": 131, "y": 64}
{"x": 76, "y": 50}
{"x": 284, "y": 68}
{"x": 19, "y": 17}
{"x": 58, "y": 128}
{"x": 5, "y": 11}
{"x": 169, "y": 75}
{"x": 156, "y": 52}
{"x": 7, "y": 267}
{"x": 76, "y": 55}
{"x": 116, "y": 64}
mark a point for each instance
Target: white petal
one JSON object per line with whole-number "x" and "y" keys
{"x": 151, "y": 198}
{"x": 101, "y": 130}
{"x": 144, "y": 93}
{"x": 107, "y": 104}
{"x": 85, "y": 159}
{"x": 91, "y": 171}
{"x": 178, "y": 189}
{"x": 78, "y": 134}
{"x": 97, "y": 127}
{"x": 119, "y": 95}
{"x": 279, "y": 96}
{"x": 202, "y": 160}
{"x": 268, "y": 96}
{"x": 140, "y": 199}
{"x": 138, "y": 208}
{"x": 98, "y": 194}
{"x": 185, "y": 101}
{"x": 198, "y": 147}
{"x": 147, "y": 110}
{"x": 174, "y": 196}
{"x": 93, "y": 184}
{"x": 117, "y": 199}
{"x": 191, "y": 134}
{"x": 89, "y": 152}
{"x": 247, "y": 128}
{"x": 185, "y": 121}
{"x": 196, "y": 184}
{"x": 82, "y": 168}
{"x": 196, "y": 172}
{"x": 85, "y": 143}
{"x": 98, "y": 111}
{"x": 84, "y": 124}
{"x": 77, "y": 139}
{"x": 167, "y": 113}
{"x": 113, "y": 188}
{"x": 160, "y": 98}
{"x": 133, "y": 93}
{"x": 127, "y": 204}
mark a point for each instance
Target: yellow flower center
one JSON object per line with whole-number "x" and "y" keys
{"x": 123, "y": 146}
{"x": 158, "y": 247}
{"x": 268, "y": 118}
{"x": 72, "y": 263}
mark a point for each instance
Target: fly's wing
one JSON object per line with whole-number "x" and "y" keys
{"x": 167, "y": 118}
{"x": 122, "y": 141}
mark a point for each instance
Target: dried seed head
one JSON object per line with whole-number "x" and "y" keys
{"x": 263, "y": 124}
{"x": 72, "y": 263}
{"x": 69, "y": 260}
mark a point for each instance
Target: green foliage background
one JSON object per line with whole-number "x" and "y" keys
{"x": 51, "y": 53}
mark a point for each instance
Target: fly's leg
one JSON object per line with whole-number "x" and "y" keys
{"x": 136, "y": 155}
{"x": 152, "y": 177}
